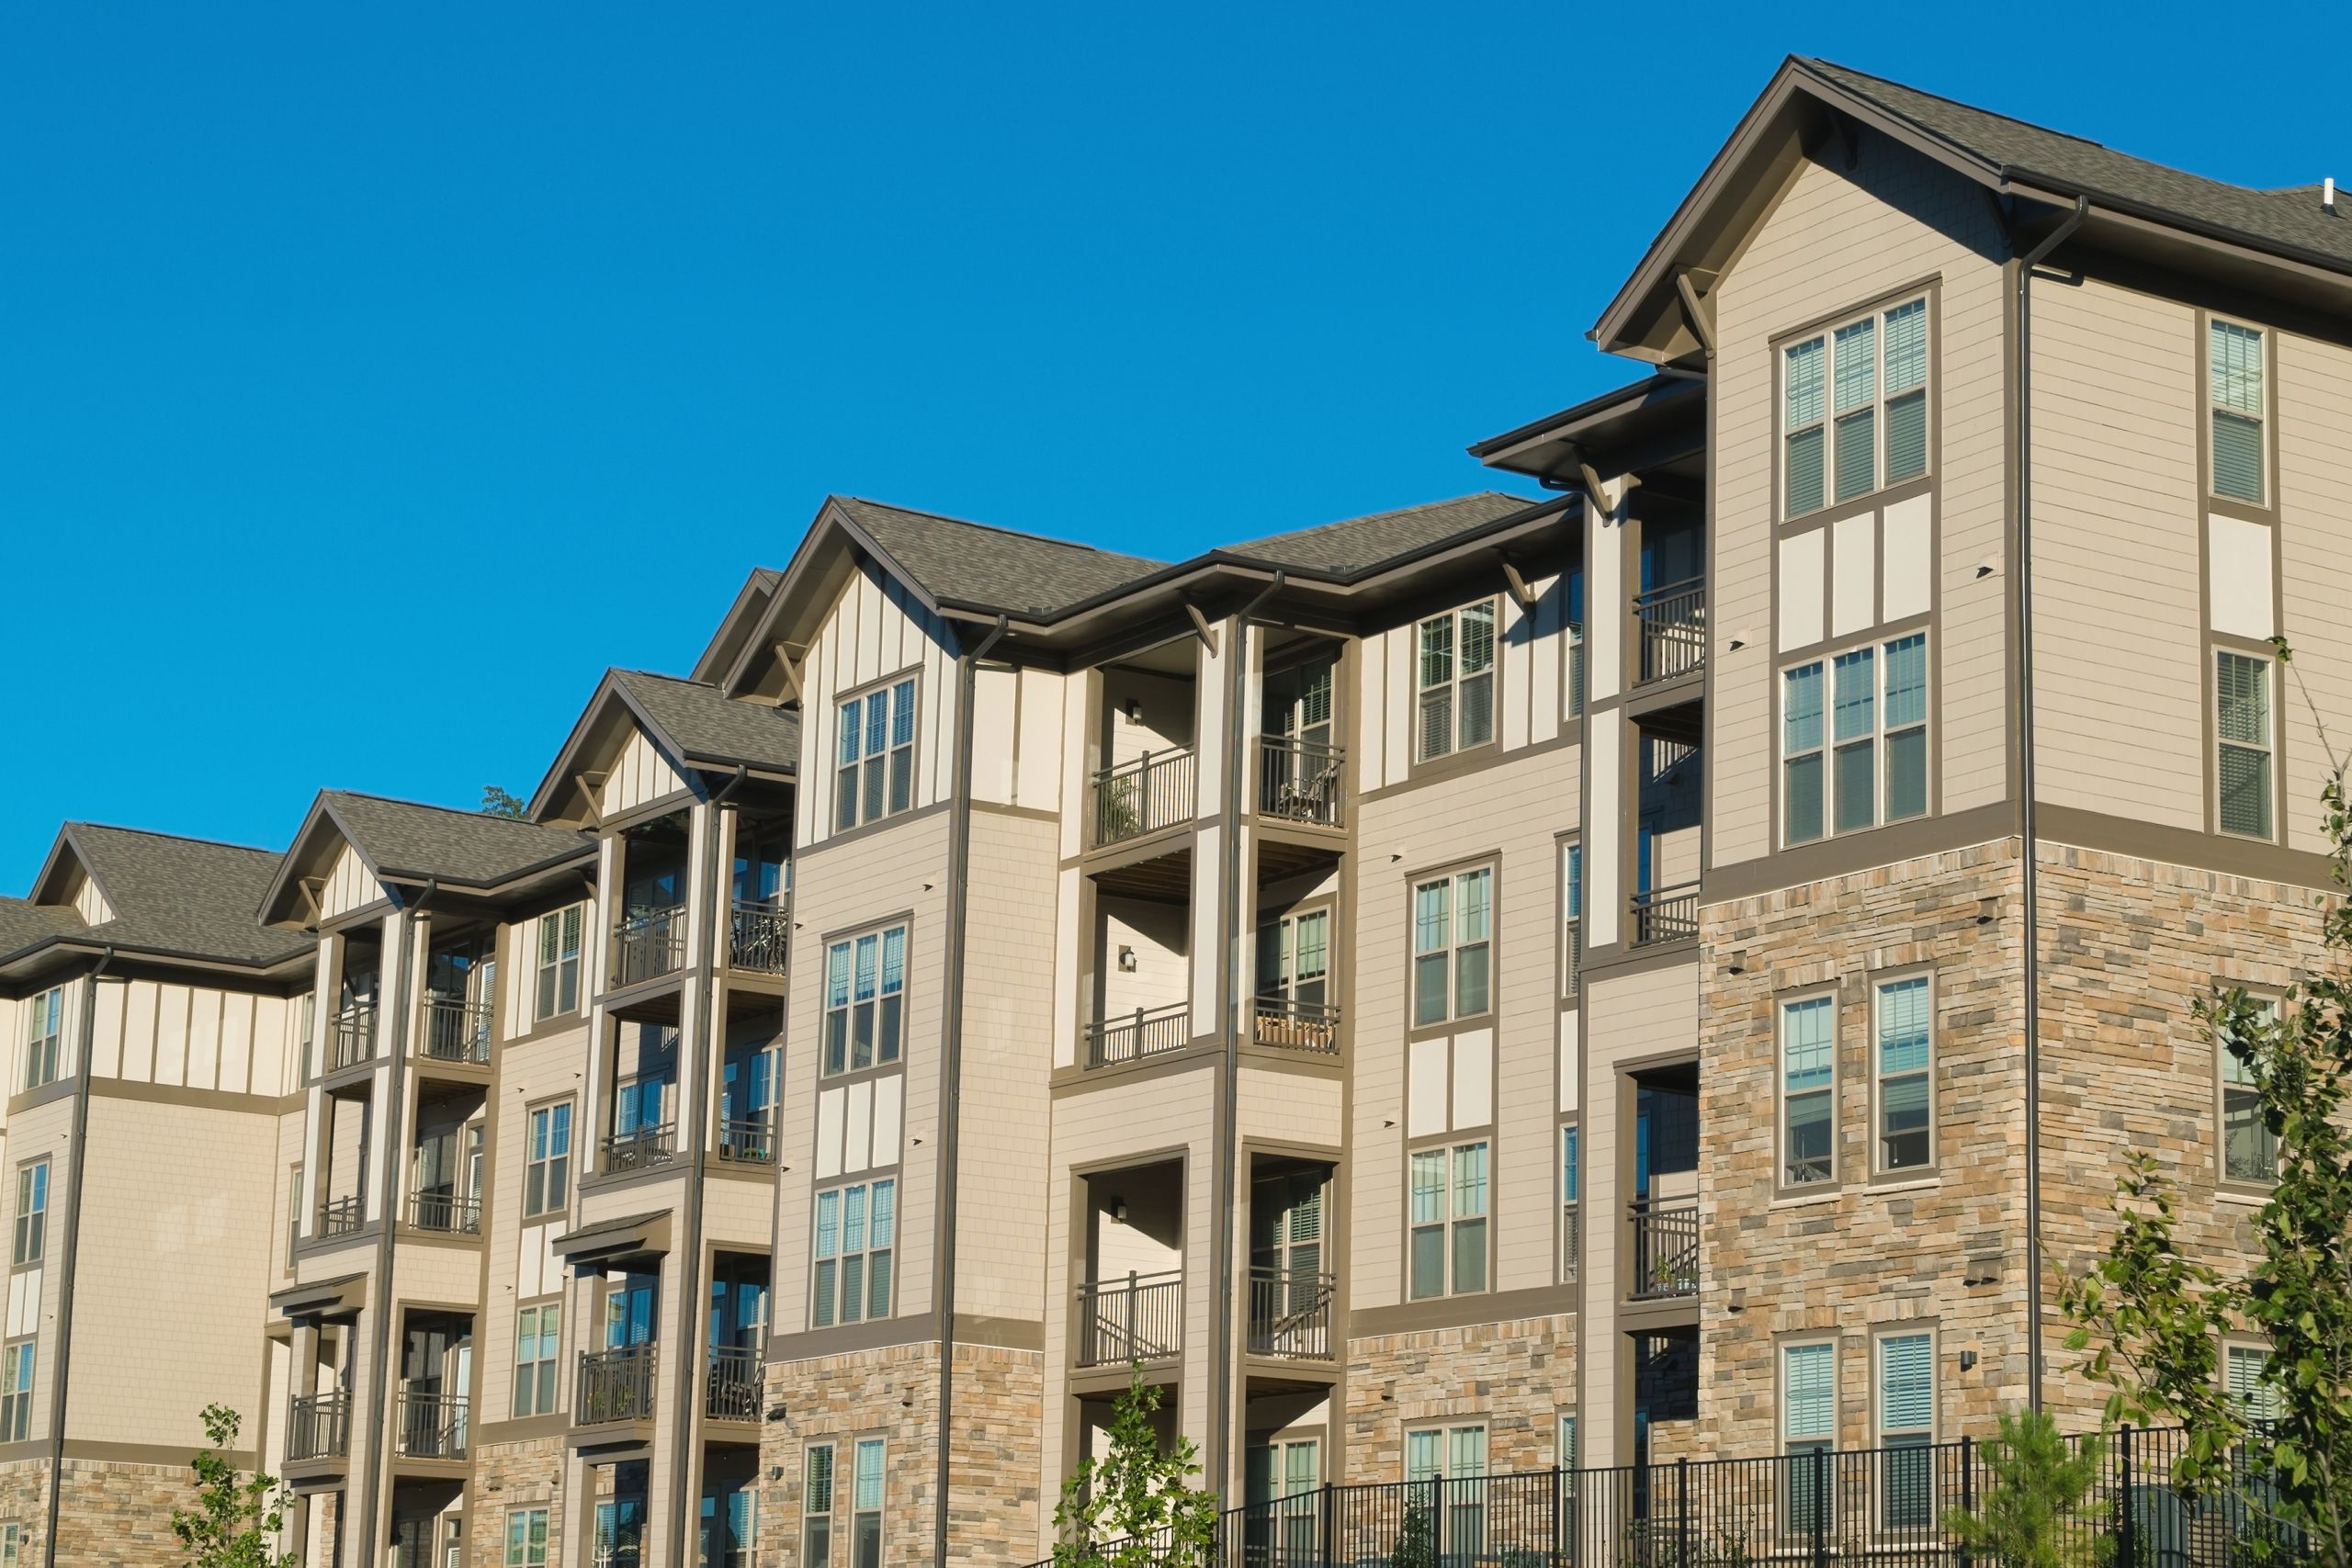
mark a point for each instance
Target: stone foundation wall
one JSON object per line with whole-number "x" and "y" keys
{"x": 516, "y": 1475}
{"x": 110, "y": 1513}
{"x": 1518, "y": 1377}
{"x": 24, "y": 1500}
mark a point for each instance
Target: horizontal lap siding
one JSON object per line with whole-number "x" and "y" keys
{"x": 2314, "y": 405}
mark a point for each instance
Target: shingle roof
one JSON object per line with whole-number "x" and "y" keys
{"x": 466, "y": 847}
{"x": 2291, "y": 219}
{"x": 1351, "y": 546}
{"x": 708, "y": 726}
{"x": 184, "y": 895}
{"x": 994, "y": 568}
{"x": 23, "y": 923}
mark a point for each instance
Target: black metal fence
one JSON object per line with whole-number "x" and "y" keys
{"x": 1152, "y": 792}
{"x": 1889, "y": 1506}
{"x": 1147, "y": 1032}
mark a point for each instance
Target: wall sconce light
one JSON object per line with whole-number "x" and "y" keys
{"x": 1967, "y": 1360}
{"x": 1118, "y": 1211}
{"x": 1988, "y": 911}
{"x": 1126, "y": 960}
{"x": 1133, "y": 708}
{"x": 1737, "y": 964}
{"x": 1738, "y": 1302}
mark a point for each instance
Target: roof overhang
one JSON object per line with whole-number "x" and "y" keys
{"x": 614, "y": 1241}
{"x": 323, "y": 1300}
{"x": 289, "y": 903}
{"x": 596, "y": 737}
{"x": 1659, "y": 420}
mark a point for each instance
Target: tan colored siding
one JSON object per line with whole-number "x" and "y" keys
{"x": 641, "y": 774}
{"x": 2314, "y": 420}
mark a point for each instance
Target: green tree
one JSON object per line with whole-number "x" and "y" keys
{"x": 236, "y": 1519}
{"x": 1416, "y": 1544}
{"x": 2034, "y": 1512}
{"x": 1136, "y": 1506}
{"x": 496, "y": 802}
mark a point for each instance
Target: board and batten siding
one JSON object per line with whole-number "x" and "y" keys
{"x": 641, "y": 774}
{"x": 1535, "y": 698}
{"x": 194, "y": 1037}
{"x": 873, "y": 630}
{"x": 2315, "y": 429}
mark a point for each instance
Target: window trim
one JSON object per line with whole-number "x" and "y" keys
{"x": 541, "y": 1306}
{"x": 1570, "y": 870}
{"x": 2217, "y": 647}
{"x": 2236, "y": 1344}
{"x": 1926, "y": 292}
{"x": 831, "y": 1511}
{"x": 838, "y": 1189}
{"x": 1927, "y": 1437}
{"x": 1781, "y": 1004}
{"x": 1450, "y": 1146}
{"x": 888, "y": 685}
{"x": 847, "y": 940}
{"x": 38, "y": 1005}
{"x": 1880, "y": 981}
{"x": 1570, "y": 1167}
{"x": 522, "y": 1514}
{"x": 2267, "y": 509}
{"x": 20, "y": 1212}
{"x": 2262, "y": 995}
{"x": 1824, "y": 656}
{"x": 570, "y": 1156}
{"x": 1453, "y": 685}
{"x": 542, "y": 966}
{"x": 1451, "y": 876}
{"x": 858, "y": 1444}
{"x": 15, "y": 1354}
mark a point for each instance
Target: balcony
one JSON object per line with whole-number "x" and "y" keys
{"x": 1301, "y": 782}
{"x": 759, "y": 936}
{"x": 318, "y": 1426}
{"x": 731, "y": 1386}
{"x": 1285, "y": 1023}
{"x": 648, "y": 945}
{"x": 1130, "y": 1037}
{"x": 341, "y": 1216}
{"x": 456, "y": 1031}
{"x": 640, "y": 1148}
{"x": 1673, "y": 629}
{"x": 1666, "y": 914}
{"x": 432, "y": 1424}
{"x": 615, "y": 1385}
{"x": 747, "y": 1142}
{"x": 1155, "y": 791}
{"x": 351, "y": 1036}
{"x": 1140, "y": 1319}
{"x": 1290, "y": 1314}
{"x": 445, "y": 1213}
{"x": 1666, "y": 1250}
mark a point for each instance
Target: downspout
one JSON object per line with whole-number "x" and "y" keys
{"x": 378, "y": 1377}
{"x": 1229, "y": 1112}
{"x": 75, "y": 1164}
{"x": 959, "y": 857}
{"x": 698, "y": 1159}
{"x": 2027, "y": 831}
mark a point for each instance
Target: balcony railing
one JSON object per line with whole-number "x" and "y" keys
{"x": 1155, "y": 791}
{"x": 747, "y": 1141}
{"x": 1571, "y": 1240}
{"x": 1674, "y": 628}
{"x": 432, "y": 1424}
{"x": 445, "y": 1212}
{"x": 648, "y": 944}
{"x": 1140, "y": 1319}
{"x": 615, "y": 1385}
{"x": 759, "y": 937}
{"x": 1290, "y": 1313}
{"x": 341, "y": 1217}
{"x": 456, "y": 1031}
{"x": 1285, "y": 1023}
{"x": 1147, "y": 1032}
{"x": 1301, "y": 781}
{"x": 731, "y": 1386}
{"x": 351, "y": 1036}
{"x": 318, "y": 1426}
{"x": 1666, "y": 1248}
{"x": 1666, "y": 914}
{"x": 640, "y": 1148}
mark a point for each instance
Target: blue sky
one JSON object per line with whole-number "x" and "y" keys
{"x": 368, "y": 382}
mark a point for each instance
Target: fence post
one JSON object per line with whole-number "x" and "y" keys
{"x": 1132, "y": 1354}
{"x": 1143, "y": 798}
{"x": 1967, "y": 1490}
{"x": 1557, "y": 1553}
{"x": 1682, "y": 1510}
{"x": 1330, "y": 1520}
{"x": 2127, "y": 1532}
{"x": 1820, "y": 1508}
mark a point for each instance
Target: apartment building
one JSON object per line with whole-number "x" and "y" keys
{"x": 1660, "y": 965}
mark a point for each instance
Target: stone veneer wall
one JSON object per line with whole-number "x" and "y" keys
{"x": 1518, "y": 1377}
{"x": 24, "y": 1501}
{"x": 515, "y": 1475}
{"x": 111, "y": 1515}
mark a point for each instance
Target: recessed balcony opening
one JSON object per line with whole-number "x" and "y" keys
{"x": 1146, "y": 773}
{"x": 460, "y": 986}
{"x": 1094, "y": 1414}
{"x": 444, "y": 1174}
{"x": 1283, "y": 1456}
{"x": 1143, "y": 978}
{"x": 1663, "y": 1213}
{"x": 649, "y": 925}
{"x": 428, "y": 1524}
{"x": 736, "y": 1321}
{"x": 1302, "y": 766}
{"x": 349, "y": 1121}
{"x": 747, "y": 1091}
{"x": 1296, "y": 1004}
{"x": 729, "y": 1532}
{"x": 759, "y": 930}
{"x": 318, "y": 1424}
{"x": 352, "y": 1029}
{"x": 1291, "y": 1283}
{"x": 1670, "y": 610}
{"x": 641, "y": 1118}
{"x": 431, "y": 1416}
{"x": 1664, "y": 1369}
{"x": 616, "y": 1381}
{"x": 1130, "y": 1297}
{"x": 1669, "y": 799}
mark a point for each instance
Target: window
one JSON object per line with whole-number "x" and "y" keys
{"x": 1907, "y": 1420}
{"x": 1905, "y": 1086}
{"x": 527, "y": 1537}
{"x": 1808, "y": 1425}
{"x": 1565, "y": 1456}
{"x": 865, "y": 1521}
{"x": 538, "y": 1339}
{"x": 2235, "y": 409}
{"x": 855, "y": 1228}
{"x": 15, "y": 1391}
{"x": 1571, "y": 919}
{"x": 2242, "y": 1369}
{"x": 1295, "y": 965}
{"x": 12, "y": 1545}
{"x": 293, "y": 1213}
{"x": 2242, "y": 730}
{"x": 1449, "y": 1221}
{"x": 2249, "y": 1148}
{"x": 1571, "y": 1231}
{"x": 1452, "y": 942}
{"x": 1456, "y": 682}
{"x": 547, "y": 1170}
{"x": 875, "y": 777}
{"x": 1451, "y": 1461}
{"x": 32, "y": 1212}
{"x": 1279, "y": 1485}
{"x": 559, "y": 990}
{"x": 865, "y": 983}
{"x": 44, "y": 1028}
{"x": 1854, "y": 408}
{"x": 1808, "y": 1070}
{"x": 1835, "y": 777}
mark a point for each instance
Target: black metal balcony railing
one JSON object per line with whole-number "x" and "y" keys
{"x": 432, "y": 1424}
{"x": 1666, "y": 1248}
{"x": 1674, "y": 628}
{"x": 341, "y": 1217}
{"x": 448, "y": 1212}
{"x": 351, "y": 1036}
{"x": 1666, "y": 914}
{"x": 456, "y": 1031}
{"x": 1155, "y": 791}
{"x": 759, "y": 937}
{"x": 318, "y": 1426}
{"x": 615, "y": 1385}
{"x": 1140, "y": 1319}
{"x": 640, "y": 1148}
{"x": 1147, "y": 1032}
{"x": 648, "y": 945}
{"x": 1285, "y": 1023}
{"x": 1290, "y": 1313}
{"x": 747, "y": 1140}
{"x": 731, "y": 1387}
{"x": 1301, "y": 781}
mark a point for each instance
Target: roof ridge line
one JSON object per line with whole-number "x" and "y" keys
{"x": 1815, "y": 60}
{"x": 471, "y": 811}
{"x": 998, "y": 528}
{"x": 166, "y": 833}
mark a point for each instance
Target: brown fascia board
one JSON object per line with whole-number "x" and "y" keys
{"x": 826, "y": 530}
{"x": 179, "y": 958}
{"x": 286, "y": 875}
{"x": 583, "y": 731}
{"x": 752, "y": 597}
{"x": 1593, "y": 414}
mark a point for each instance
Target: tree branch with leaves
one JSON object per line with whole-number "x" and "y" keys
{"x": 237, "y": 1517}
{"x": 1135, "y": 1505}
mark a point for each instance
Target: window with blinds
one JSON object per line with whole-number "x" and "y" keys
{"x": 1446, "y": 1189}
{"x": 1854, "y": 409}
{"x": 1854, "y": 739}
{"x": 1905, "y": 1091}
{"x": 865, "y": 983}
{"x": 1808, "y": 1071}
{"x": 874, "y": 773}
{"x": 1907, "y": 1420}
{"x": 1453, "y": 947}
{"x": 2242, "y": 1369}
{"x": 1454, "y": 681}
{"x": 2249, "y": 1148}
{"x": 1808, "y": 1425}
{"x": 2235, "y": 409}
{"x": 2244, "y": 759}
